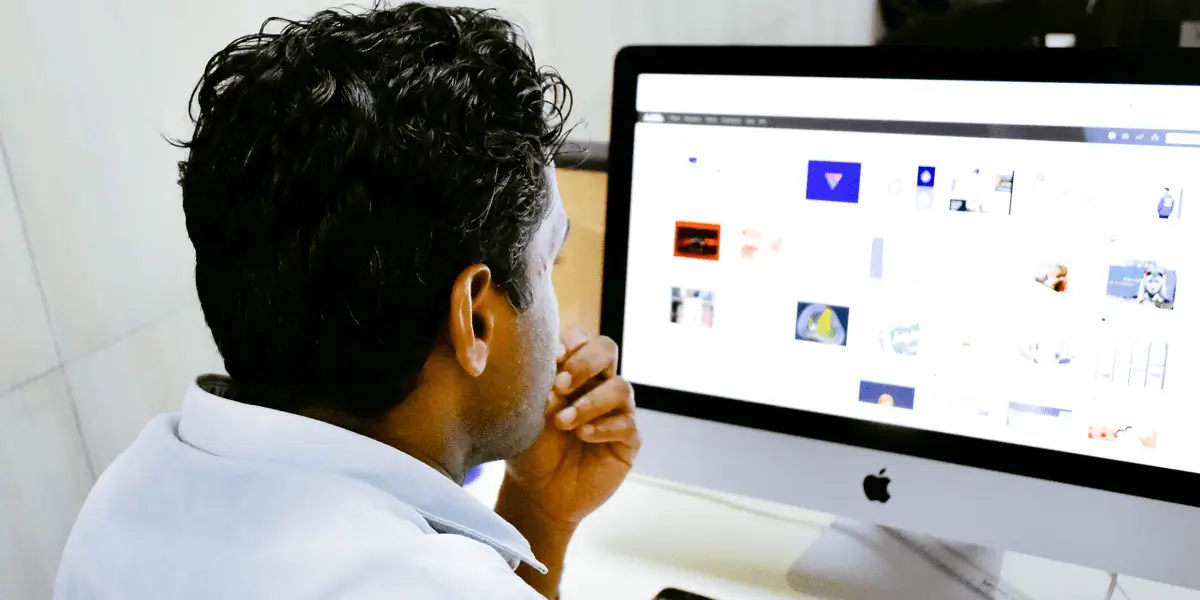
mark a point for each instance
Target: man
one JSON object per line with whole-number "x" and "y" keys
{"x": 376, "y": 223}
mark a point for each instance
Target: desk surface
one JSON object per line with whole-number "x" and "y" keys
{"x": 653, "y": 535}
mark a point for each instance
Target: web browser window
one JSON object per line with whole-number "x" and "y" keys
{"x": 1001, "y": 260}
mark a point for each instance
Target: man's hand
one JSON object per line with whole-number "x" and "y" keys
{"x": 590, "y": 440}
{"x": 581, "y": 457}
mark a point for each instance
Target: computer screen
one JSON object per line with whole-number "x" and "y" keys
{"x": 1007, "y": 261}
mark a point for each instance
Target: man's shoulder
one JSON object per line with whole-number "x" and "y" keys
{"x": 431, "y": 566}
{"x": 201, "y": 500}
{"x": 350, "y": 552}
{"x": 217, "y": 528}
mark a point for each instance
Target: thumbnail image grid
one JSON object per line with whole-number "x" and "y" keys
{"x": 1057, "y": 272}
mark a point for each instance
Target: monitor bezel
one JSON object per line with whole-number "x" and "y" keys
{"x": 1018, "y": 65}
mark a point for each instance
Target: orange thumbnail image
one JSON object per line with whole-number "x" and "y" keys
{"x": 697, "y": 240}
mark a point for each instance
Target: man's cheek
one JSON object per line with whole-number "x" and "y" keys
{"x": 554, "y": 319}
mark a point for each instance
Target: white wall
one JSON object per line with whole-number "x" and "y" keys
{"x": 99, "y": 325}
{"x": 581, "y": 37}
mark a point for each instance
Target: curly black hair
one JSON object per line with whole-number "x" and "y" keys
{"x": 342, "y": 172}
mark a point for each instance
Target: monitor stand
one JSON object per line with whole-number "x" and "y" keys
{"x": 856, "y": 561}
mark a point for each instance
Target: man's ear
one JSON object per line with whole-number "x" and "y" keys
{"x": 472, "y": 318}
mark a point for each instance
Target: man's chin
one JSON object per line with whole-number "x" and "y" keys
{"x": 530, "y": 435}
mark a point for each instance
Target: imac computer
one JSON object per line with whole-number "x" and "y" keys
{"x": 952, "y": 293}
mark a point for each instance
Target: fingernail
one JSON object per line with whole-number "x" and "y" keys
{"x": 562, "y": 382}
{"x": 567, "y": 416}
{"x": 562, "y": 351}
{"x": 587, "y": 430}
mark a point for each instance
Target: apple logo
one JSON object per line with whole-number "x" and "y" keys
{"x": 876, "y": 487}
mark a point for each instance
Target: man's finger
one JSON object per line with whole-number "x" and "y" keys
{"x": 570, "y": 341}
{"x": 618, "y": 428}
{"x": 555, "y": 404}
{"x": 597, "y": 356}
{"x": 612, "y": 396}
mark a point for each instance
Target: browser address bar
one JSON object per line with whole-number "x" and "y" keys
{"x": 1183, "y": 139}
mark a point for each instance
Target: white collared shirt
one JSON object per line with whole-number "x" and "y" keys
{"x": 228, "y": 501}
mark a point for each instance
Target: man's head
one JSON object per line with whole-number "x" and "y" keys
{"x": 375, "y": 221}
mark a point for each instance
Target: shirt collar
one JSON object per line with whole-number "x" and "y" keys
{"x": 232, "y": 429}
